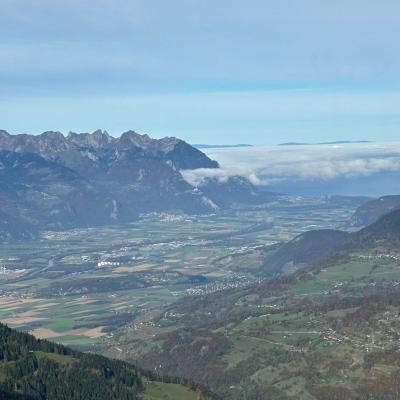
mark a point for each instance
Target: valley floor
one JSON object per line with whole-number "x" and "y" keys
{"x": 78, "y": 287}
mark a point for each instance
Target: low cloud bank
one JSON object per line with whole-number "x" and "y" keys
{"x": 267, "y": 165}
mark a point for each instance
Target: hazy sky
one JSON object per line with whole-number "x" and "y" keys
{"x": 221, "y": 71}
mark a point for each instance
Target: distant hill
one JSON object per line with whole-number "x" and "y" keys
{"x": 293, "y": 144}
{"x": 372, "y": 210}
{"x": 335, "y": 142}
{"x": 314, "y": 246}
{"x": 307, "y": 248}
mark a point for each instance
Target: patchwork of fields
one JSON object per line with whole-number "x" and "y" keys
{"x": 79, "y": 287}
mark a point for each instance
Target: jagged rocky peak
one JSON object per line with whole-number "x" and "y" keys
{"x": 129, "y": 138}
{"x": 168, "y": 144}
{"x": 97, "y": 139}
{"x": 46, "y": 142}
{"x": 145, "y": 142}
{"x": 52, "y": 135}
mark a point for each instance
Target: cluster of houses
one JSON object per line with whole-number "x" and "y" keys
{"x": 233, "y": 283}
{"x": 391, "y": 256}
{"x": 331, "y": 336}
{"x": 101, "y": 264}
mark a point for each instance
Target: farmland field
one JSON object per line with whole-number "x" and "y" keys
{"x": 167, "y": 391}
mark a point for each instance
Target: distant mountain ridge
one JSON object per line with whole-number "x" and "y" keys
{"x": 52, "y": 181}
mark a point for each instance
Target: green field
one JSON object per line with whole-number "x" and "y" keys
{"x": 167, "y": 391}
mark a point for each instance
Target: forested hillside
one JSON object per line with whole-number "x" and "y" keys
{"x": 37, "y": 369}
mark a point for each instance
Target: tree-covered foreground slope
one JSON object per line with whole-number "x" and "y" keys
{"x": 329, "y": 331}
{"x": 32, "y": 369}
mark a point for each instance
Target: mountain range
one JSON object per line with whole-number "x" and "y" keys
{"x": 52, "y": 181}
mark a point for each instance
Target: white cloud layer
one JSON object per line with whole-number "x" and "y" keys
{"x": 266, "y": 165}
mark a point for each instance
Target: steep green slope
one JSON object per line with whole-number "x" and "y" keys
{"x": 306, "y": 248}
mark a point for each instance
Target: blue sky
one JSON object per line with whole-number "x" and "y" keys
{"x": 260, "y": 71}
